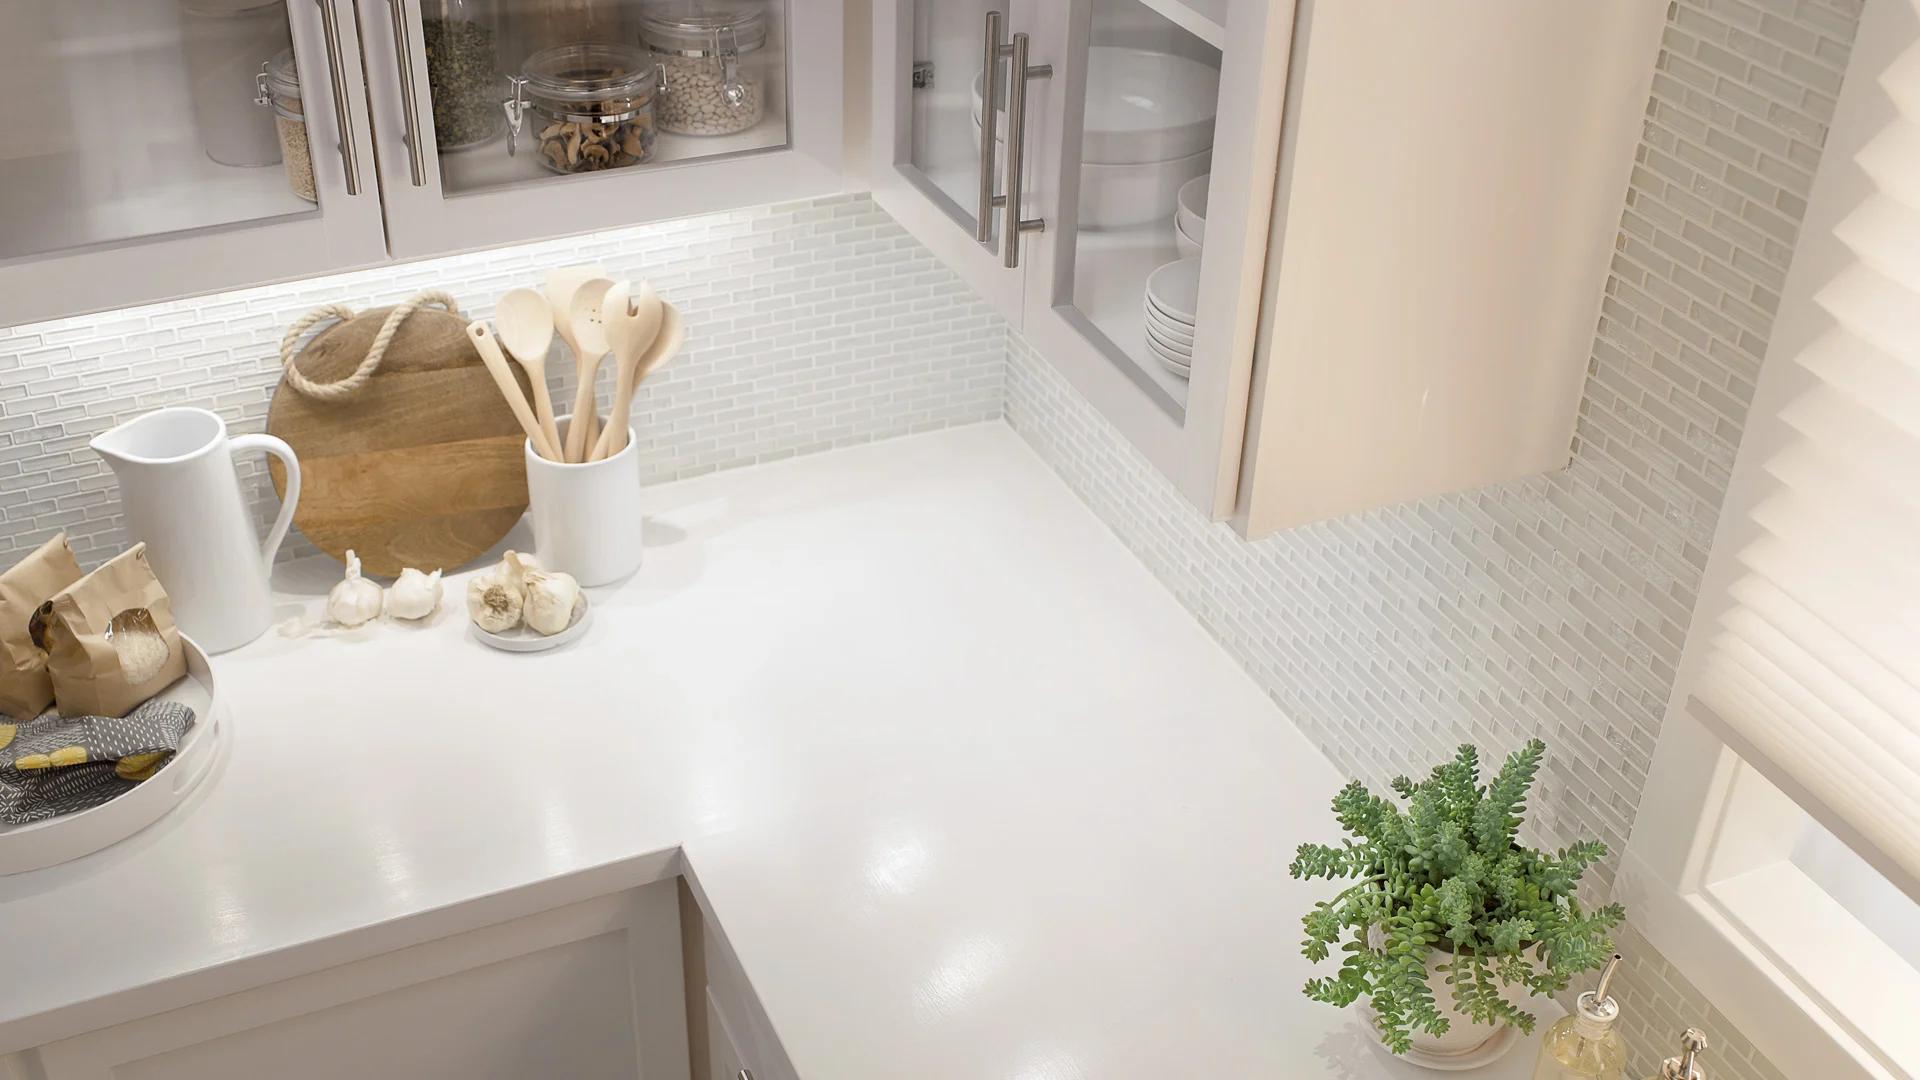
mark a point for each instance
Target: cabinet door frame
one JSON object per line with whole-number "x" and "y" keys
{"x": 347, "y": 231}
{"x": 1198, "y": 448}
{"x": 902, "y": 189}
{"x": 423, "y": 221}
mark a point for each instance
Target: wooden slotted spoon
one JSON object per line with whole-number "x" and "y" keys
{"x": 590, "y": 341}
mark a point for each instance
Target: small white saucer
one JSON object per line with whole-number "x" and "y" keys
{"x": 523, "y": 639}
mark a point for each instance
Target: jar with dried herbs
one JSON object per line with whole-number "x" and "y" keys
{"x": 463, "y": 71}
{"x": 278, "y": 86}
{"x": 589, "y": 107}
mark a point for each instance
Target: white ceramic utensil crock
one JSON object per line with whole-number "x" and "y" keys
{"x": 175, "y": 468}
{"x": 586, "y": 516}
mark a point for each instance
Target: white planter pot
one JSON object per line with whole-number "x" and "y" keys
{"x": 1468, "y": 1043}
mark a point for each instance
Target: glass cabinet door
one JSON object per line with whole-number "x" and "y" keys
{"x": 133, "y": 121}
{"x": 527, "y": 118}
{"x": 943, "y": 116}
{"x": 934, "y": 169}
{"x": 1157, "y": 192}
{"x": 527, "y": 92}
{"x": 1130, "y": 254}
{"x": 188, "y": 145}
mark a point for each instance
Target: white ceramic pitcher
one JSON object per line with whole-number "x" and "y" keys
{"x": 175, "y": 468}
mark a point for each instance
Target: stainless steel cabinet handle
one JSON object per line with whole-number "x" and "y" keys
{"x": 989, "y": 128}
{"x": 744, "y": 1075}
{"x": 342, "y": 104}
{"x": 409, "y": 93}
{"x": 1017, "y": 75}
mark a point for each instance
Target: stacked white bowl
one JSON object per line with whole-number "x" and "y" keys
{"x": 1149, "y": 129}
{"x": 1172, "y": 304}
{"x": 1190, "y": 216}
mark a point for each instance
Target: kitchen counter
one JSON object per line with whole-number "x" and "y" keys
{"x": 969, "y": 793}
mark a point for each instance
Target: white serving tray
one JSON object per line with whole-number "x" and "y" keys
{"x": 66, "y": 838}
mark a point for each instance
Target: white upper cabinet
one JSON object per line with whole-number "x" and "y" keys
{"x": 263, "y": 140}
{"x": 1121, "y": 105}
{"x": 507, "y": 120}
{"x": 1386, "y": 276}
{"x": 187, "y": 182}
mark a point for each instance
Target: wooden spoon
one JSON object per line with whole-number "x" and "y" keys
{"x": 590, "y": 341}
{"x": 673, "y": 332}
{"x": 526, "y": 329}
{"x": 632, "y": 320}
{"x": 502, "y": 373}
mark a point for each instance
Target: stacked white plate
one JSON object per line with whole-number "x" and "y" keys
{"x": 1171, "y": 306}
{"x": 1148, "y": 130}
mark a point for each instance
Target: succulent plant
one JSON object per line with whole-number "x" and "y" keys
{"x": 1445, "y": 873}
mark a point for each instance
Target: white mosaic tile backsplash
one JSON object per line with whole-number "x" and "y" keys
{"x": 1555, "y": 606}
{"x": 810, "y": 325}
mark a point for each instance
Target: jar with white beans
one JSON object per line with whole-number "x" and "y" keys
{"x": 713, "y": 64}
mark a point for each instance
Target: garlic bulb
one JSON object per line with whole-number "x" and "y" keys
{"x": 550, "y": 600}
{"x": 414, "y": 595}
{"x": 493, "y": 602}
{"x": 355, "y": 600}
{"x": 515, "y": 566}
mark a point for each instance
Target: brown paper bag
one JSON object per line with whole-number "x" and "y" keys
{"x": 25, "y": 688}
{"x": 111, "y": 642}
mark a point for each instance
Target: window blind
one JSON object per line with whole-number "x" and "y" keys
{"x": 1810, "y": 665}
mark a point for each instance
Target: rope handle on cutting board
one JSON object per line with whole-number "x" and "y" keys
{"x": 341, "y": 389}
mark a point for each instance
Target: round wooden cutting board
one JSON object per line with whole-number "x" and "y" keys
{"x": 422, "y": 467}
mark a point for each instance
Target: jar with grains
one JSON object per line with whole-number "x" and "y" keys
{"x": 713, "y": 63}
{"x": 589, "y": 106}
{"x": 278, "y": 86}
{"x": 463, "y": 71}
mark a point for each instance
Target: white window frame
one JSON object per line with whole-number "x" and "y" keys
{"x": 1708, "y": 875}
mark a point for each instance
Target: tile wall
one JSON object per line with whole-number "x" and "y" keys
{"x": 811, "y": 325}
{"x": 1555, "y": 606}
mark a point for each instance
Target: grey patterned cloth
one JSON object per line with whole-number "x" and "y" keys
{"x": 109, "y": 757}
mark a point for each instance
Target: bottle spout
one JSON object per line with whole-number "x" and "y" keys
{"x": 1606, "y": 978}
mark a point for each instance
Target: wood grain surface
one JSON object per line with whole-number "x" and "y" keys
{"x": 422, "y": 467}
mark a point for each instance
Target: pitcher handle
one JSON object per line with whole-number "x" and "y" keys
{"x": 278, "y": 448}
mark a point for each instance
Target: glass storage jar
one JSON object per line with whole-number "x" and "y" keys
{"x": 589, "y": 106}
{"x": 278, "y": 85}
{"x": 713, "y": 64}
{"x": 463, "y": 71}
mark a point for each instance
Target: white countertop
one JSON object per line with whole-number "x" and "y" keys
{"x": 969, "y": 792}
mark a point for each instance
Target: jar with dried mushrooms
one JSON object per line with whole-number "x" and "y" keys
{"x": 713, "y": 63}
{"x": 587, "y": 107}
